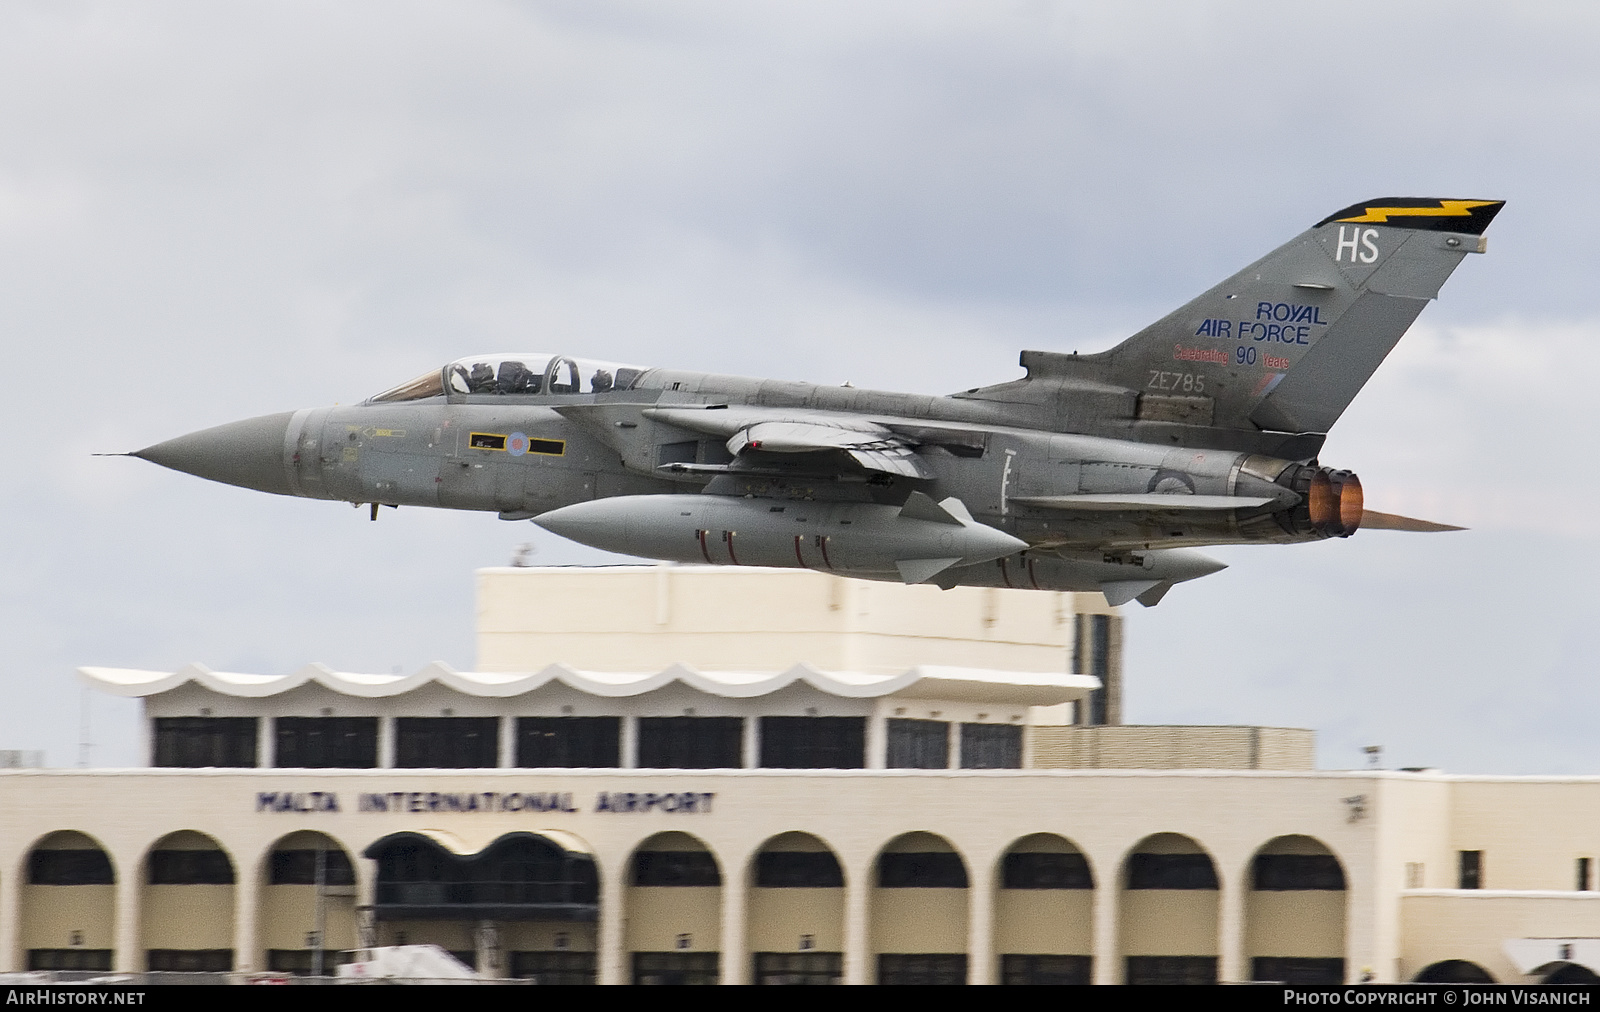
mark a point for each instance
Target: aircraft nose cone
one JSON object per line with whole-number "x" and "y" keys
{"x": 249, "y": 454}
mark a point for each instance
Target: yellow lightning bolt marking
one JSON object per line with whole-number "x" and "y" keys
{"x": 1446, "y": 209}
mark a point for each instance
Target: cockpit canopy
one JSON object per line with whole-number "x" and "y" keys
{"x": 514, "y": 373}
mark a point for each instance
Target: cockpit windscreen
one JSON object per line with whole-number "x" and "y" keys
{"x": 514, "y": 373}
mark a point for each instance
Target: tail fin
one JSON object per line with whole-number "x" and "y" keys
{"x": 1286, "y": 344}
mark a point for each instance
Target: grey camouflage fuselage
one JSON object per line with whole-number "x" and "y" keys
{"x": 1202, "y": 429}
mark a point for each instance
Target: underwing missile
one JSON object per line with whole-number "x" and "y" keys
{"x": 916, "y": 541}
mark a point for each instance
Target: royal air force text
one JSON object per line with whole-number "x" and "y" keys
{"x": 1281, "y": 322}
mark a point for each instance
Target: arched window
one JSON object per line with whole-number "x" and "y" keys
{"x": 1454, "y": 971}
{"x": 518, "y": 876}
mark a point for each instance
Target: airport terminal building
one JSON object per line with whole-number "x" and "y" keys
{"x": 717, "y": 775}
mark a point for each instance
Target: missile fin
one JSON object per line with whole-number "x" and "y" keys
{"x": 958, "y": 509}
{"x": 920, "y": 507}
{"x": 1120, "y": 592}
{"x": 1153, "y": 596}
{"x": 922, "y": 570}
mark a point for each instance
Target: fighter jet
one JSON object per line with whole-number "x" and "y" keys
{"x": 1097, "y": 472}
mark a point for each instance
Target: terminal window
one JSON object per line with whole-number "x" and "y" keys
{"x": 691, "y": 743}
{"x": 190, "y": 867}
{"x": 1296, "y": 970}
{"x": 991, "y": 746}
{"x": 922, "y": 968}
{"x": 349, "y": 743}
{"x": 1046, "y": 871}
{"x": 1286, "y": 872}
{"x": 675, "y": 868}
{"x": 937, "y": 870}
{"x": 193, "y": 742}
{"x": 1172, "y": 969}
{"x": 1045, "y": 969}
{"x": 1171, "y": 871}
{"x": 918, "y": 744}
{"x": 189, "y": 960}
{"x": 69, "y": 868}
{"x": 299, "y": 867}
{"x": 814, "y": 743}
{"x": 799, "y": 967}
{"x": 1091, "y": 655}
{"x": 788, "y": 869}
{"x": 1471, "y": 869}
{"x": 569, "y": 742}
{"x": 447, "y": 742}
{"x": 301, "y": 962}
{"x": 69, "y": 959}
{"x": 517, "y": 877}
{"x": 559, "y": 966}
{"x": 676, "y": 967}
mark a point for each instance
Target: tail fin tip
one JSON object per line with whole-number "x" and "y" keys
{"x": 1433, "y": 214}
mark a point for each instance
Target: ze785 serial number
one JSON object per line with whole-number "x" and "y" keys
{"x": 1188, "y": 382}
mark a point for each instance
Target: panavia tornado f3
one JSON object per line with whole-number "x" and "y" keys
{"x": 1093, "y": 472}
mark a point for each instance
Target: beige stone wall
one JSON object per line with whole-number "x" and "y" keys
{"x": 1530, "y": 830}
{"x": 919, "y": 920}
{"x": 779, "y": 917}
{"x": 1169, "y": 922}
{"x": 188, "y": 916}
{"x": 1154, "y": 747}
{"x": 546, "y": 936}
{"x": 1493, "y": 816}
{"x": 51, "y": 914}
{"x": 1308, "y": 923}
{"x": 1471, "y": 925}
{"x": 288, "y": 912}
{"x": 1044, "y": 921}
{"x": 646, "y": 618}
{"x": 657, "y": 915}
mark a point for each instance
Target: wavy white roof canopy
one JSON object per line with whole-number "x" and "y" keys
{"x": 1025, "y": 688}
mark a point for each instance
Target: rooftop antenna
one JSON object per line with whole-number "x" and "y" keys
{"x": 1374, "y": 756}
{"x": 84, "y": 744}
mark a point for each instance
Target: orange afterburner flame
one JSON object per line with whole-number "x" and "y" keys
{"x": 1335, "y": 501}
{"x": 1350, "y": 504}
{"x": 1323, "y": 501}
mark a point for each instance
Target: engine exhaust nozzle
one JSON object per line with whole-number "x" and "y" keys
{"x": 1335, "y": 501}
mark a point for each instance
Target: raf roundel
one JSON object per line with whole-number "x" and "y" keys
{"x": 516, "y": 444}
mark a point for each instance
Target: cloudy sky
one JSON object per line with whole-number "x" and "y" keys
{"x": 211, "y": 211}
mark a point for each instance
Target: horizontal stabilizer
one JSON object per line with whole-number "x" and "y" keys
{"x": 1120, "y": 592}
{"x": 1371, "y": 521}
{"x": 922, "y": 570}
{"x": 1140, "y": 501}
